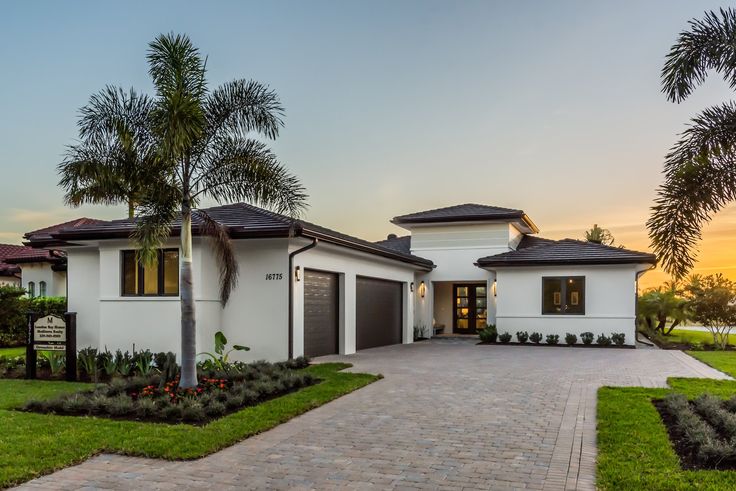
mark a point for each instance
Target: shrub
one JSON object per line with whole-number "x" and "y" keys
{"x": 56, "y": 360}
{"x": 12, "y": 316}
{"x": 120, "y": 405}
{"x": 618, "y": 338}
{"x": 522, "y": 336}
{"x": 142, "y": 362}
{"x": 603, "y": 340}
{"x": 553, "y": 338}
{"x": 571, "y": 339}
{"x": 87, "y": 362}
{"x": 536, "y": 337}
{"x": 505, "y": 337}
{"x": 489, "y": 334}
{"x": 587, "y": 338}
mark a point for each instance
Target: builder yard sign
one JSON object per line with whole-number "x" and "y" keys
{"x": 52, "y": 333}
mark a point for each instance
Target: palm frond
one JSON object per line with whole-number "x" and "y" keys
{"x": 244, "y": 106}
{"x": 224, "y": 252}
{"x": 689, "y": 197}
{"x": 88, "y": 176}
{"x": 242, "y": 169}
{"x": 178, "y": 73}
{"x": 709, "y": 44}
{"x": 157, "y": 211}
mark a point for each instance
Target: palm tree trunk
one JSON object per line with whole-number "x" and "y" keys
{"x": 188, "y": 326}
{"x": 131, "y": 209}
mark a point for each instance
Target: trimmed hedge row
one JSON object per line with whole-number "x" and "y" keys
{"x": 490, "y": 335}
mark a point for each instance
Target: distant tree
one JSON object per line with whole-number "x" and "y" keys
{"x": 599, "y": 235}
{"x": 700, "y": 170}
{"x": 712, "y": 302}
{"x": 659, "y": 305}
{"x": 115, "y": 160}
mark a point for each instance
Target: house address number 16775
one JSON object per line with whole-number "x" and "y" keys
{"x": 274, "y": 276}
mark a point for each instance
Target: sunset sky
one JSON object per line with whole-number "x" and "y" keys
{"x": 391, "y": 107}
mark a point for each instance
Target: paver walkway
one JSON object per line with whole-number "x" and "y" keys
{"x": 448, "y": 415}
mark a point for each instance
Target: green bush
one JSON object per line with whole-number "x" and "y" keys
{"x": 553, "y": 338}
{"x": 587, "y": 338}
{"x": 505, "y": 337}
{"x": 522, "y": 336}
{"x": 12, "y": 316}
{"x": 603, "y": 340}
{"x": 571, "y": 339}
{"x": 618, "y": 338}
{"x": 536, "y": 337}
{"x": 489, "y": 334}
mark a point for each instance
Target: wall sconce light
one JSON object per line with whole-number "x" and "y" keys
{"x": 298, "y": 273}
{"x": 411, "y": 287}
{"x": 422, "y": 289}
{"x": 494, "y": 288}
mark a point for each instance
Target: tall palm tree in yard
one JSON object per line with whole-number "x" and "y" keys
{"x": 700, "y": 170}
{"x": 206, "y": 148}
{"x": 115, "y": 159}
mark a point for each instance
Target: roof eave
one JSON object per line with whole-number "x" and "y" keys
{"x": 592, "y": 262}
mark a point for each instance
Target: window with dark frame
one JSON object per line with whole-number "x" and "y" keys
{"x": 156, "y": 280}
{"x": 563, "y": 295}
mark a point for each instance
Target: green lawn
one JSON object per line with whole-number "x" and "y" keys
{"x": 724, "y": 361}
{"x": 686, "y": 336}
{"x": 12, "y": 352}
{"x": 634, "y": 450}
{"x": 35, "y": 444}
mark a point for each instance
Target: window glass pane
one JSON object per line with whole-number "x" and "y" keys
{"x": 551, "y": 295}
{"x": 462, "y": 323}
{"x": 575, "y": 295}
{"x": 171, "y": 272}
{"x": 462, "y": 291}
{"x": 42, "y": 289}
{"x": 480, "y": 302}
{"x": 150, "y": 279}
{"x": 480, "y": 291}
{"x": 462, "y": 313}
{"x": 31, "y": 289}
{"x": 130, "y": 273}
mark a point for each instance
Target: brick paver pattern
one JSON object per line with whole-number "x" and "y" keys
{"x": 449, "y": 414}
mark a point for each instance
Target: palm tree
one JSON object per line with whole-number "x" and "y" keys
{"x": 700, "y": 170}
{"x": 599, "y": 235}
{"x": 207, "y": 149}
{"x": 116, "y": 156}
{"x": 203, "y": 145}
{"x": 659, "y": 305}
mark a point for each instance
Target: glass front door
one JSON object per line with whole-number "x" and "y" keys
{"x": 471, "y": 308}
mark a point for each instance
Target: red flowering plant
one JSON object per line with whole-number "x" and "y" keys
{"x": 175, "y": 394}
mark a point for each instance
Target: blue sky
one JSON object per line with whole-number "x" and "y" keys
{"x": 391, "y": 107}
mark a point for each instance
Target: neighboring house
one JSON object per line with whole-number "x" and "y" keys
{"x": 42, "y": 268}
{"x": 9, "y": 273}
{"x": 305, "y": 289}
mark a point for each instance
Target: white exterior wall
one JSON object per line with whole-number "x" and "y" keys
{"x": 610, "y": 301}
{"x": 454, "y": 248}
{"x": 257, "y": 315}
{"x": 41, "y": 271}
{"x": 84, "y": 294}
{"x": 348, "y": 264}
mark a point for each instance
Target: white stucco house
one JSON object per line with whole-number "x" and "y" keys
{"x": 305, "y": 289}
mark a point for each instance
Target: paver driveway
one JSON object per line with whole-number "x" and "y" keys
{"x": 448, "y": 415}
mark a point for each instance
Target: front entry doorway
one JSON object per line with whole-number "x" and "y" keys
{"x": 471, "y": 308}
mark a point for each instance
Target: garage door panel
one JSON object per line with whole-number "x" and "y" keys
{"x": 320, "y": 313}
{"x": 379, "y": 312}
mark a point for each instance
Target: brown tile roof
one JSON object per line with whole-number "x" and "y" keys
{"x": 468, "y": 211}
{"x": 566, "y": 252}
{"x": 244, "y": 221}
{"x": 43, "y": 236}
{"x": 9, "y": 251}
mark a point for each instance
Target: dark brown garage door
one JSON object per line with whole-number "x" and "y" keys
{"x": 320, "y": 313}
{"x": 379, "y": 312}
